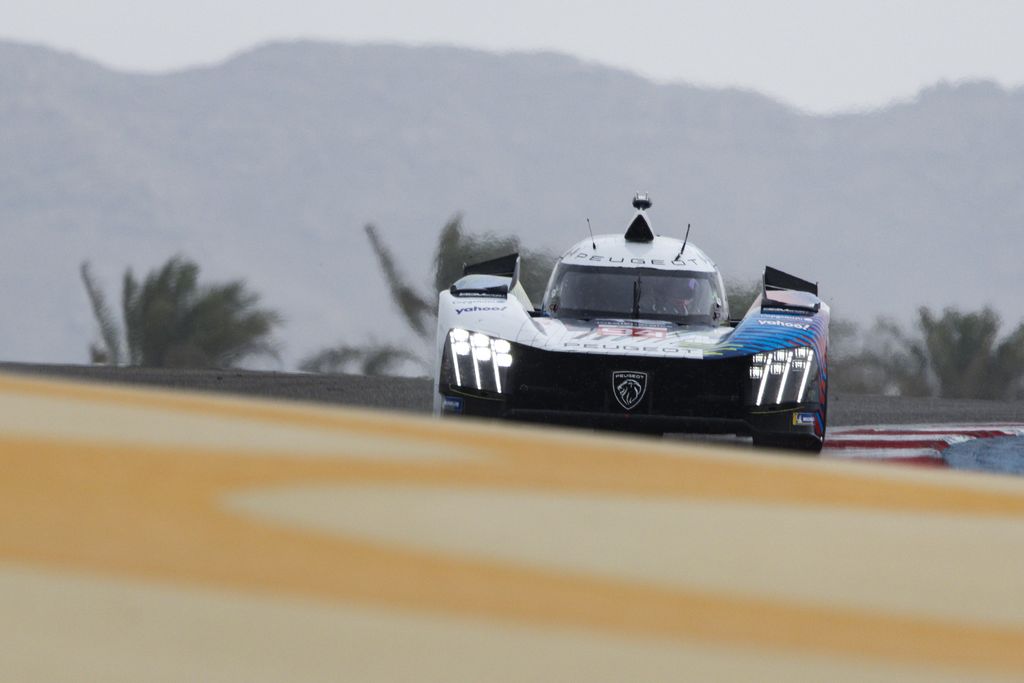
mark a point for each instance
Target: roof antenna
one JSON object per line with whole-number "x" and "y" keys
{"x": 685, "y": 240}
{"x": 592, "y": 242}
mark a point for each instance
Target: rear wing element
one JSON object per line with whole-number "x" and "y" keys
{"x": 504, "y": 266}
{"x": 496, "y": 278}
{"x": 782, "y": 291}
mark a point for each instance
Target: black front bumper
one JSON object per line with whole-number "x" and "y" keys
{"x": 706, "y": 396}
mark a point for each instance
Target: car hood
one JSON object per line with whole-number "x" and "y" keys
{"x": 622, "y": 337}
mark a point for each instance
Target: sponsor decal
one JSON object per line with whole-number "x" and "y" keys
{"x": 784, "y": 323}
{"x": 786, "y": 316}
{"x": 452, "y": 405}
{"x": 629, "y": 387}
{"x": 580, "y": 256}
{"x": 621, "y": 259}
{"x": 803, "y": 419}
{"x": 480, "y": 309}
{"x": 634, "y": 323}
{"x": 634, "y": 348}
{"x": 622, "y": 331}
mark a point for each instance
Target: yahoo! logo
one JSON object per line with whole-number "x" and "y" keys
{"x": 783, "y": 323}
{"x": 479, "y": 309}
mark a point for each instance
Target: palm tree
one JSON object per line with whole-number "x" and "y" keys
{"x": 964, "y": 355}
{"x": 455, "y": 248}
{"x": 955, "y": 355}
{"x": 741, "y": 295}
{"x": 170, "y": 320}
{"x": 418, "y": 304}
{"x": 883, "y": 360}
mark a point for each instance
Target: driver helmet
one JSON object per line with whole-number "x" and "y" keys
{"x": 683, "y": 295}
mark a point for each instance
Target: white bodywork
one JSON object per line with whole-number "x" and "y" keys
{"x": 509, "y": 317}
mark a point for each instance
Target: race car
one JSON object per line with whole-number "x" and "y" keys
{"x": 634, "y": 334}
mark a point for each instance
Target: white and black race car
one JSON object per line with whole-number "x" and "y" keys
{"x": 634, "y": 334}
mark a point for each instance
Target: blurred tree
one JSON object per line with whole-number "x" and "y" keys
{"x": 418, "y": 305}
{"x": 110, "y": 352}
{"x": 741, "y": 295}
{"x": 966, "y": 358}
{"x": 454, "y": 250}
{"x": 172, "y": 321}
{"x": 955, "y": 355}
{"x": 417, "y": 309}
{"x": 882, "y": 361}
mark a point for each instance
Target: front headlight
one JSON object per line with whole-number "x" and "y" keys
{"x": 783, "y": 376}
{"x": 477, "y": 361}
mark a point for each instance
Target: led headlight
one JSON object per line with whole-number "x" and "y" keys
{"x": 783, "y": 376}
{"x": 477, "y": 361}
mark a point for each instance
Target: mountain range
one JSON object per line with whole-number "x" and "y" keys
{"x": 268, "y": 165}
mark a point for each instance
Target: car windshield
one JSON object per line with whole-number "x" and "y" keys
{"x": 684, "y": 297}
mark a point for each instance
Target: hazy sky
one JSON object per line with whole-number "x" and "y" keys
{"x": 816, "y": 54}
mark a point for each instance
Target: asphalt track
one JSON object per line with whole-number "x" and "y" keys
{"x": 159, "y": 535}
{"x": 392, "y": 393}
{"x": 408, "y": 394}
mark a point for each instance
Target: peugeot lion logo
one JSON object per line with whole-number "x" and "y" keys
{"x": 629, "y": 387}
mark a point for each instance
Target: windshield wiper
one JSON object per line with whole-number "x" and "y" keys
{"x": 637, "y": 289}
